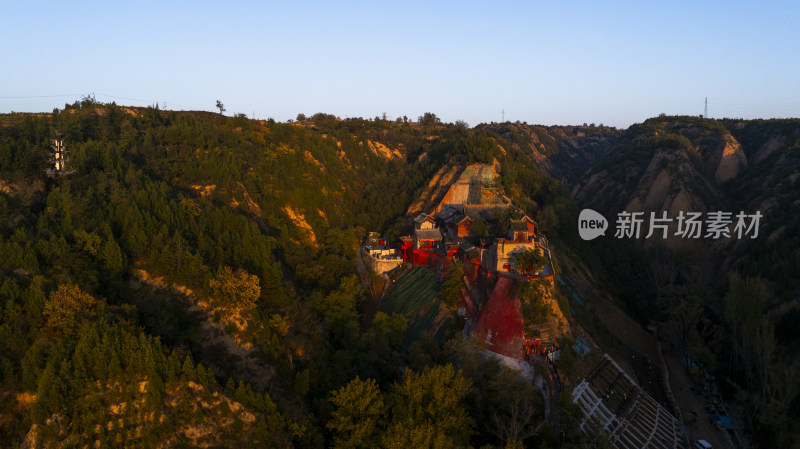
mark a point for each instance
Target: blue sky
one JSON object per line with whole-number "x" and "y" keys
{"x": 545, "y": 62}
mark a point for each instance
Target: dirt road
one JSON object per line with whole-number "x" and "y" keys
{"x": 691, "y": 405}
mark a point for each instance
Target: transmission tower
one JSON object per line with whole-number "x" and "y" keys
{"x": 503, "y": 115}
{"x": 705, "y": 112}
{"x": 59, "y": 158}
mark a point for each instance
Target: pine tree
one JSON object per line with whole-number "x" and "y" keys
{"x": 112, "y": 255}
{"x": 356, "y": 422}
{"x": 188, "y": 370}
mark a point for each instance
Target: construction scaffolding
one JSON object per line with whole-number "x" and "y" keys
{"x": 614, "y": 404}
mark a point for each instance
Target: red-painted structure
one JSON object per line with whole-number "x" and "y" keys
{"x": 425, "y": 257}
{"x": 500, "y": 324}
{"x": 523, "y": 230}
{"x": 444, "y": 236}
{"x": 533, "y": 346}
{"x": 407, "y": 249}
{"x": 421, "y": 257}
{"x": 452, "y": 251}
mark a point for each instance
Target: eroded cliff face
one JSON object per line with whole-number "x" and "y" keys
{"x": 669, "y": 181}
{"x": 671, "y": 165}
{"x": 562, "y": 152}
{"x": 731, "y": 161}
{"x": 436, "y": 189}
{"x": 668, "y": 164}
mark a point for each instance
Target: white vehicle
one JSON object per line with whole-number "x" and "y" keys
{"x": 702, "y": 444}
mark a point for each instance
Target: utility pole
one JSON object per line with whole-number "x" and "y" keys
{"x": 705, "y": 112}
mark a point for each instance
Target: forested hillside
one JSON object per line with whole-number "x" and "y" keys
{"x": 191, "y": 280}
{"x": 729, "y": 304}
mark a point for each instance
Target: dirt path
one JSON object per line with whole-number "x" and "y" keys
{"x": 689, "y": 402}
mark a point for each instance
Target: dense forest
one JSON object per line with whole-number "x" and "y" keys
{"x": 191, "y": 279}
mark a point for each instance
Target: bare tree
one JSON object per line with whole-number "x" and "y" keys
{"x": 520, "y": 424}
{"x": 784, "y": 382}
{"x": 764, "y": 350}
{"x": 743, "y": 308}
{"x": 221, "y": 107}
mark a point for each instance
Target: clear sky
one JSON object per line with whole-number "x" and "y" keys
{"x": 548, "y": 62}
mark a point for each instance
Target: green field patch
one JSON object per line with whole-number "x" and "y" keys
{"x": 416, "y": 295}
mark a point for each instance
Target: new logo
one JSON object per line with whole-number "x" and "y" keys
{"x": 591, "y": 224}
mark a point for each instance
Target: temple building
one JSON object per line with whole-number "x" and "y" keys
{"x": 426, "y": 233}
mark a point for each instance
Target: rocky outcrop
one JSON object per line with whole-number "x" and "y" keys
{"x": 732, "y": 161}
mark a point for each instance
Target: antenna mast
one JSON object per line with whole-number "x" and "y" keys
{"x": 705, "y": 112}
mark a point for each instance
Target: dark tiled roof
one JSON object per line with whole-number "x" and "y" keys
{"x": 519, "y": 226}
{"x": 428, "y": 234}
{"x": 422, "y": 217}
{"x": 449, "y": 213}
{"x": 474, "y": 214}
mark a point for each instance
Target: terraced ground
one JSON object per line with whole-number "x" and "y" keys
{"x": 416, "y": 295}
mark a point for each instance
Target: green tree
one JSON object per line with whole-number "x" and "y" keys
{"x": 356, "y": 421}
{"x": 548, "y": 219}
{"x": 500, "y": 223}
{"x": 533, "y": 306}
{"x": 112, "y": 255}
{"x": 429, "y": 120}
{"x": 428, "y": 410}
{"x": 530, "y": 261}
{"x": 338, "y": 308}
{"x": 235, "y": 290}
{"x": 188, "y": 369}
{"x": 67, "y": 307}
{"x": 301, "y": 382}
{"x": 48, "y": 396}
{"x": 90, "y": 242}
{"x": 454, "y": 282}
{"x": 386, "y": 330}
{"x": 480, "y": 228}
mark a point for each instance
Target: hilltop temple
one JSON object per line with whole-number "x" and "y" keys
{"x": 475, "y": 223}
{"x": 459, "y": 228}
